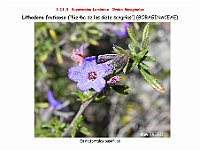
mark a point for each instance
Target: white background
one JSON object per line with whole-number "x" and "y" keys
{"x": 17, "y": 73}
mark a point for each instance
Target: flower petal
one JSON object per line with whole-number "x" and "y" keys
{"x": 89, "y": 60}
{"x": 84, "y": 85}
{"x": 103, "y": 70}
{"x": 74, "y": 73}
{"x": 98, "y": 84}
{"x": 52, "y": 101}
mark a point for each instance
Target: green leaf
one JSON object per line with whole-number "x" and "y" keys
{"x": 122, "y": 89}
{"x": 133, "y": 37}
{"x": 63, "y": 125}
{"x": 80, "y": 118}
{"x": 84, "y": 130}
{"x": 59, "y": 56}
{"x": 93, "y": 42}
{"x": 145, "y": 36}
{"x": 53, "y": 34}
{"x": 100, "y": 99}
{"x": 148, "y": 58}
{"x": 93, "y": 31}
{"x": 126, "y": 66}
{"x": 144, "y": 66}
{"x": 83, "y": 96}
{"x": 56, "y": 121}
{"x": 79, "y": 94}
{"x": 119, "y": 50}
{"x": 143, "y": 53}
{"x": 42, "y": 104}
{"x": 131, "y": 65}
{"x": 73, "y": 132}
{"x": 132, "y": 49}
{"x": 47, "y": 126}
{"x": 151, "y": 80}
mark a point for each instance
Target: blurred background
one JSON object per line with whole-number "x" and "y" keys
{"x": 142, "y": 113}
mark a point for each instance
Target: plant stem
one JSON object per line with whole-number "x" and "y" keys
{"x": 81, "y": 109}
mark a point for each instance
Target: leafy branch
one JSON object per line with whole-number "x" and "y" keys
{"x": 137, "y": 54}
{"x": 80, "y": 111}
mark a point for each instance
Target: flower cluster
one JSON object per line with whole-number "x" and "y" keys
{"x": 90, "y": 75}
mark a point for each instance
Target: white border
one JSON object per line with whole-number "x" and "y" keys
{"x": 17, "y": 74}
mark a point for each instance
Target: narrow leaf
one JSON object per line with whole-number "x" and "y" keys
{"x": 132, "y": 49}
{"x": 145, "y": 43}
{"x": 145, "y": 36}
{"x": 93, "y": 42}
{"x": 47, "y": 126}
{"x": 132, "y": 36}
{"x": 122, "y": 89}
{"x": 73, "y": 132}
{"x": 126, "y": 66}
{"x": 53, "y": 34}
{"x": 144, "y": 66}
{"x": 59, "y": 56}
{"x": 93, "y": 31}
{"x": 152, "y": 81}
{"x": 84, "y": 130}
{"x": 143, "y": 54}
{"x": 148, "y": 58}
{"x": 119, "y": 50}
{"x": 63, "y": 125}
{"x": 131, "y": 65}
{"x": 80, "y": 118}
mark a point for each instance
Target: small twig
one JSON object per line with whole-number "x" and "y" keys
{"x": 82, "y": 108}
{"x": 63, "y": 114}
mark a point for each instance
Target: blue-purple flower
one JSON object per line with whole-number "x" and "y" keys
{"x": 123, "y": 31}
{"x": 90, "y": 75}
{"x": 52, "y": 101}
{"x": 54, "y": 104}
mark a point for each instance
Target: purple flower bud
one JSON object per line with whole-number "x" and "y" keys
{"x": 114, "y": 79}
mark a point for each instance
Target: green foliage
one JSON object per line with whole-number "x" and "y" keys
{"x": 122, "y": 89}
{"x": 78, "y": 127}
{"x": 56, "y": 127}
{"x": 83, "y": 96}
{"x": 85, "y": 32}
{"x": 136, "y": 57}
{"x": 145, "y": 36}
{"x": 51, "y": 72}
